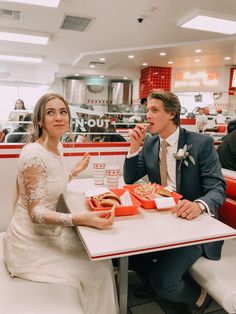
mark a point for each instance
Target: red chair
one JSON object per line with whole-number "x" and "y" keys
{"x": 227, "y": 213}
{"x": 230, "y": 188}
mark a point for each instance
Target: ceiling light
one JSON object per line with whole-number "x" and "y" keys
{"x": 20, "y": 58}
{"x": 162, "y": 53}
{"x": 170, "y": 62}
{"x": 210, "y": 21}
{"x": 227, "y": 58}
{"x": 92, "y": 66}
{"x": 125, "y": 78}
{"x": 145, "y": 64}
{"x": 101, "y": 76}
{"x": 197, "y": 60}
{"x": 102, "y": 59}
{"x": 198, "y": 50}
{"x": 46, "y": 3}
{"x": 24, "y": 36}
{"x": 76, "y": 74}
{"x": 130, "y": 56}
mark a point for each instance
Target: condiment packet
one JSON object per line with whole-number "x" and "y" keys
{"x": 126, "y": 199}
{"x": 164, "y": 202}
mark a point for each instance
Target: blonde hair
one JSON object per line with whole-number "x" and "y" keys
{"x": 39, "y": 115}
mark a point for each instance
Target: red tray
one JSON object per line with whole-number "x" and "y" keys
{"x": 150, "y": 204}
{"x": 120, "y": 210}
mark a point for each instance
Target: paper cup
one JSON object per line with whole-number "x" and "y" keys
{"x": 112, "y": 176}
{"x": 99, "y": 170}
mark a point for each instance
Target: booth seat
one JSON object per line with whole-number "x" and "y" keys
{"x": 19, "y": 296}
{"x": 218, "y": 278}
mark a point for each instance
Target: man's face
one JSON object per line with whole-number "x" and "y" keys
{"x": 160, "y": 120}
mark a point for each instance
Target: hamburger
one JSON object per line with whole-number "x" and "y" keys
{"x": 105, "y": 200}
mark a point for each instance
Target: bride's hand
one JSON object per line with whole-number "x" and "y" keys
{"x": 81, "y": 165}
{"x": 97, "y": 219}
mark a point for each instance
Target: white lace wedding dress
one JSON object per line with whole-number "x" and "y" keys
{"x": 38, "y": 251}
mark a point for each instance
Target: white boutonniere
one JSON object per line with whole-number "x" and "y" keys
{"x": 184, "y": 156}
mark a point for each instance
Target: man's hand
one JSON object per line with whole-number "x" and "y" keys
{"x": 186, "y": 209}
{"x": 137, "y": 136}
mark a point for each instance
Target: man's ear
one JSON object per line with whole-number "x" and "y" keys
{"x": 172, "y": 115}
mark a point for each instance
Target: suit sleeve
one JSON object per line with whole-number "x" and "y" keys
{"x": 212, "y": 180}
{"x": 134, "y": 168}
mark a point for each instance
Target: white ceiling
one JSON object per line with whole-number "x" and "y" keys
{"x": 116, "y": 33}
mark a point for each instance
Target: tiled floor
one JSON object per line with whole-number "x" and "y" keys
{"x": 154, "y": 306}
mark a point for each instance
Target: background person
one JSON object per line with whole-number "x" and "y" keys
{"x": 2, "y": 134}
{"x": 143, "y": 106}
{"x": 15, "y": 115}
{"x": 200, "y": 182}
{"x": 227, "y": 149}
{"x": 40, "y": 243}
{"x": 201, "y": 120}
{"x": 220, "y": 119}
{"x": 23, "y": 128}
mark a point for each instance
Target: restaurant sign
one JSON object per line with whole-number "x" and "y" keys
{"x": 196, "y": 79}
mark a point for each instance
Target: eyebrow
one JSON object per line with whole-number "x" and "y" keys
{"x": 56, "y": 109}
{"x": 152, "y": 106}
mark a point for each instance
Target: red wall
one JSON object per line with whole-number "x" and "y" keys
{"x": 154, "y": 78}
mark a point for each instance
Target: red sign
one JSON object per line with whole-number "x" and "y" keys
{"x": 232, "y": 83}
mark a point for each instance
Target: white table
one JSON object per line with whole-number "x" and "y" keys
{"x": 145, "y": 232}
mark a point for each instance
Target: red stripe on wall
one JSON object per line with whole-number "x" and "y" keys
{"x": 96, "y": 154}
{"x": 2, "y": 156}
{"x": 9, "y": 156}
{"x": 73, "y": 145}
{"x": 187, "y": 122}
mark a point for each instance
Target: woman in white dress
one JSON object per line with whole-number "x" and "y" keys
{"x": 40, "y": 243}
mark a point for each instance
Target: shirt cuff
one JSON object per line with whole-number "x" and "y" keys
{"x": 129, "y": 155}
{"x": 206, "y": 206}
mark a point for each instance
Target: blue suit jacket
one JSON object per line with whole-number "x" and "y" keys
{"x": 204, "y": 180}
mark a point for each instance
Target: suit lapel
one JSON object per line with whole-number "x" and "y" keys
{"x": 181, "y": 142}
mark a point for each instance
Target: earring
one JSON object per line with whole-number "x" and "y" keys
{"x": 40, "y": 125}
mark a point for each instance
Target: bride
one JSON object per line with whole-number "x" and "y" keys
{"x": 40, "y": 243}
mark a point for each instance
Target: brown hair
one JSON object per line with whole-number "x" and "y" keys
{"x": 39, "y": 114}
{"x": 171, "y": 103}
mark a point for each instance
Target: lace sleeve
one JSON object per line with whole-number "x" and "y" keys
{"x": 33, "y": 176}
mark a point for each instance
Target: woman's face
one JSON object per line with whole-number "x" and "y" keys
{"x": 19, "y": 105}
{"x": 56, "y": 118}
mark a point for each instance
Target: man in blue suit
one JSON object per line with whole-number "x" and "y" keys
{"x": 192, "y": 168}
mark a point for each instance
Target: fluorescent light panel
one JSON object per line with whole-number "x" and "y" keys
{"x": 46, "y": 3}
{"x": 24, "y": 38}
{"x": 21, "y": 58}
{"x": 211, "y": 22}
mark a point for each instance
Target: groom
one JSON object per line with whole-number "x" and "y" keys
{"x": 188, "y": 162}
